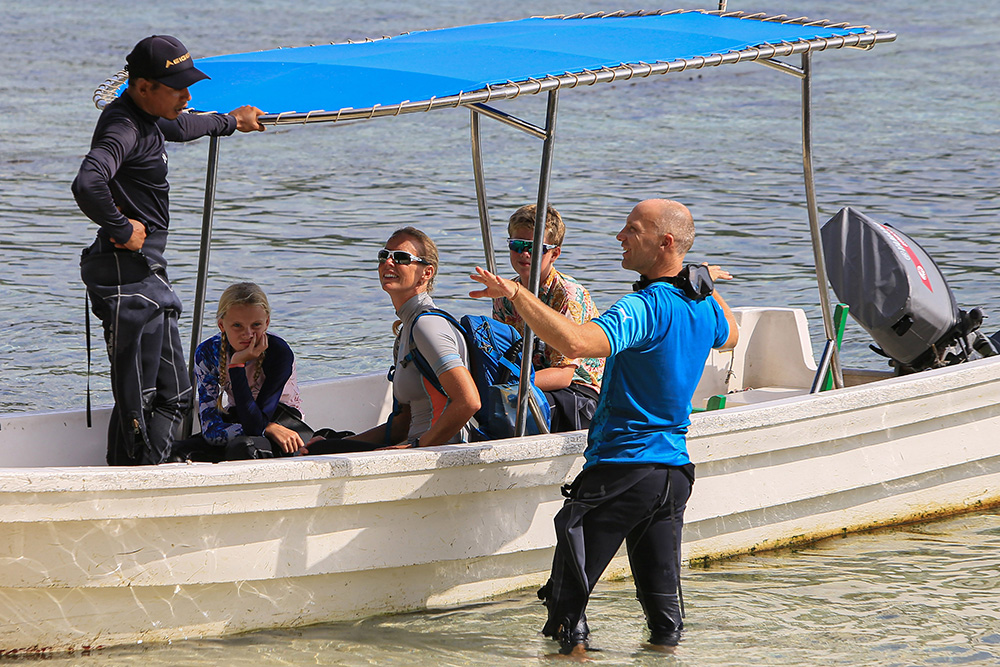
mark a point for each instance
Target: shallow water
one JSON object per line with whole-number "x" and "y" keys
{"x": 908, "y": 133}
{"x": 916, "y": 595}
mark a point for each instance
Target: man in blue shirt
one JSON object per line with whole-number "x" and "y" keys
{"x": 122, "y": 186}
{"x": 637, "y": 477}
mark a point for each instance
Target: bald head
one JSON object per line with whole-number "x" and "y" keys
{"x": 656, "y": 236}
{"x": 670, "y": 217}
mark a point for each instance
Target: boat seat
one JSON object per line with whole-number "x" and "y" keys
{"x": 763, "y": 394}
{"x": 773, "y": 358}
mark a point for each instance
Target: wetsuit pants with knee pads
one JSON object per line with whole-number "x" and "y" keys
{"x": 642, "y": 505}
{"x": 149, "y": 378}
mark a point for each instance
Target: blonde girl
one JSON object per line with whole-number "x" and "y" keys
{"x": 246, "y": 378}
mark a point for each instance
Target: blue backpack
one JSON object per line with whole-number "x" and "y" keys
{"x": 495, "y": 365}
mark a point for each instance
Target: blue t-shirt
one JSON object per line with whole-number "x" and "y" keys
{"x": 660, "y": 340}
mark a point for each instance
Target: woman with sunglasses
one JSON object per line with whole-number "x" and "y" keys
{"x": 422, "y": 416}
{"x": 571, "y": 385}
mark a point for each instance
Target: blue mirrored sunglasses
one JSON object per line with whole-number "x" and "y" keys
{"x": 399, "y": 257}
{"x": 522, "y": 245}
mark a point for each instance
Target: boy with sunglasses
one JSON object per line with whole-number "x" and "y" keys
{"x": 571, "y": 385}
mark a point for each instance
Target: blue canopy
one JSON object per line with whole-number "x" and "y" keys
{"x": 473, "y": 65}
{"x": 422, "y": 70}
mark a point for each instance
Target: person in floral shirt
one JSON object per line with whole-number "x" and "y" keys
{"x": 571, "y": 385}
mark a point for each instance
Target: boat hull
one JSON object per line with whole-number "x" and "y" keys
{"x": 96, "y": 556}
{"x": 889, "y": 452}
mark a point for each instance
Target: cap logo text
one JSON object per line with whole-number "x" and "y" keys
{"x": 177, "y": 61}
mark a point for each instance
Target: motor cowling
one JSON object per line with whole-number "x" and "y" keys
{"x": 898, "y": 294}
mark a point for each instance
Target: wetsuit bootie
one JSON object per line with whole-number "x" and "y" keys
{"x": 663, "y": 617}
{"x": 665, "y": 638}
{"x": 568, "y": 634}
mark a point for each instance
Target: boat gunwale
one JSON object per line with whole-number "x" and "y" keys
{"x": 298, "y": 469}
{"x": 726, "y": 422}
{"x": 877, "y": 393}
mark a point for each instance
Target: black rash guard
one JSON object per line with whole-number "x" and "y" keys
{"x": 125, "y": 173}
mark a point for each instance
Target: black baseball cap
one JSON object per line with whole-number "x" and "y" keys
{"x": 163, "y": 58}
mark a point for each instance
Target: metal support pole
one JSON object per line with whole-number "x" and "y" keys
{"x": 541, "y": 209}
{"x": 484, "y": 210}
{"x": 211, "y": 178}
{"x": 507, "y": 119}
{"x": 824, "y": 366}
{"x": 817, "y": 244}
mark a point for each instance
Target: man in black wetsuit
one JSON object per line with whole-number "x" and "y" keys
{"x": 122, "y": 186}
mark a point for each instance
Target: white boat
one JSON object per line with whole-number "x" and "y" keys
{"x": 96, "y": 556}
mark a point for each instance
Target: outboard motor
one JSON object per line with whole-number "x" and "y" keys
{"x": 897, "y": 293}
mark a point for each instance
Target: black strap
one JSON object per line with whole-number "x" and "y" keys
{"x": 387, "y": 438}
{"x": 694, "y": 280}
{"x": 86, "y": 307}
{"x": 414, "y": 355}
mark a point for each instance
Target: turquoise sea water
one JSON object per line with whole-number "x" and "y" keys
{"x": 907, "y": 132}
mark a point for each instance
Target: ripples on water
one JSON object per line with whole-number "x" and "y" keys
{"x": 918, "y": 595}
{"x": 906, "y": 133}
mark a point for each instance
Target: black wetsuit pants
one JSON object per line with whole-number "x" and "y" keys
{"x": 642, "y": 505}
{"x": 149, "y": 378}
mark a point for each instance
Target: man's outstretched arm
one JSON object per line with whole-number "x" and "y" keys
{"x": 570, "y": 338}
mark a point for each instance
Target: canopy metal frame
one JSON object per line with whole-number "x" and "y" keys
{"x": 204, "y": 252}
{"x": 547, "y": 134}
{"x": 478, "y": 102}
